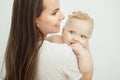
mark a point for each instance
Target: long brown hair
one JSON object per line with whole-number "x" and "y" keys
{"x": 22, "y": 48}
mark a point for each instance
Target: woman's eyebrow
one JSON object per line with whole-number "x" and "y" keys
{"x": 56, "y": 9}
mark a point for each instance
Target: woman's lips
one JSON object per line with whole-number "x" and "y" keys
{"x": 58, "y": 26}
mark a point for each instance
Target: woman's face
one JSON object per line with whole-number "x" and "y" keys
{"x": 51, "y": 17}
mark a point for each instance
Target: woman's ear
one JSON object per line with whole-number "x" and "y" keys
{"x": 37, "y": 22}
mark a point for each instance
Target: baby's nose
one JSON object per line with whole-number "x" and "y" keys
{"x": 76, "y": 38}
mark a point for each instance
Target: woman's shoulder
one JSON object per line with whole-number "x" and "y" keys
{"x": 58, "y": 59}
{"x": 58, "y": 52}
{"x": 55, "y": 46}
{"x": 55, "y": 49}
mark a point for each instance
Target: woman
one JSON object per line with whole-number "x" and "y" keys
{"x": 32, "y": 20}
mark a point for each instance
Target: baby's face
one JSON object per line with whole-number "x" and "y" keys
{"x": 77, "y": 31}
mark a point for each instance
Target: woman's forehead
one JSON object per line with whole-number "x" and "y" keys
{"x": 51, "y": 4}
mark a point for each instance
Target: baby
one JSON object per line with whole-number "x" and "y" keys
{"x": 76, "y": 33}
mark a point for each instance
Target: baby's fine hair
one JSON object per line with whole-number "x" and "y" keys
{"x": 81, "y": 16}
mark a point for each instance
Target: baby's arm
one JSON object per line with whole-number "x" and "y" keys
{"x": 84, "y": 60}
{"x": 55, "y": 39}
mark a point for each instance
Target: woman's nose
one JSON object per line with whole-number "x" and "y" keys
{"x": 61, "y": 16}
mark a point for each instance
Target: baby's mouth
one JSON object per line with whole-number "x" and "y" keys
{"x": 71, "y": 43}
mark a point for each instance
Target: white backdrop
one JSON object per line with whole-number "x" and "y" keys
{"x": 105, "y": 41}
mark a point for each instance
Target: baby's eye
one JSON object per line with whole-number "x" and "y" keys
{"x": 71, "y": 32}
{"x": 83, "y": 36}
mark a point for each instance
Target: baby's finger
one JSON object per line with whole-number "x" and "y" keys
{"x": 77, "y": 46}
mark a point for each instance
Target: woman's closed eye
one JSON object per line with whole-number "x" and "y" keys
{"x": 54, "y": 13}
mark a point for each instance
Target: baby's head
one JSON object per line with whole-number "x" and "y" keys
{"x": 78, "y": 28}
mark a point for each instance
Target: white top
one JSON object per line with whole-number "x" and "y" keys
{"x": 57, "y": 62}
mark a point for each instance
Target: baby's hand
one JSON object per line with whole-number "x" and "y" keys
{"x": 80, "y": 49}
{"x": 84, "y": 59}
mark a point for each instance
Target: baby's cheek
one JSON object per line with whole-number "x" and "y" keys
{"x": 86, "y": 44}
{"x": 83, "y": 43}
